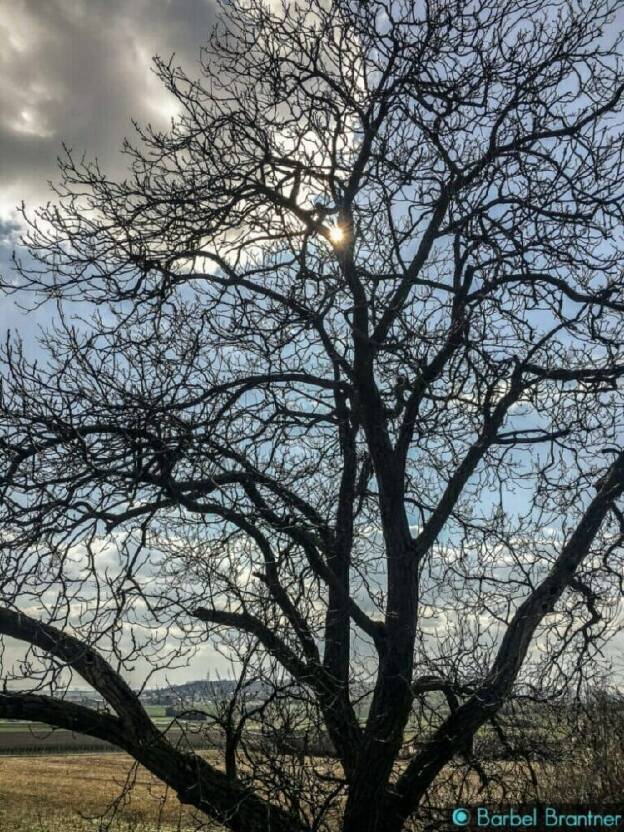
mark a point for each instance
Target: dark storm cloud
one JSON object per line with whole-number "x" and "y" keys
{"x": 77, "y": 71}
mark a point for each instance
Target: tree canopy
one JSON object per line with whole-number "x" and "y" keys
{"x": 333, "y": 382}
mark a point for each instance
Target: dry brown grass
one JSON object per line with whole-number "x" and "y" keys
{"x": 50, "y": 793}
{"x": 59, "y": 793}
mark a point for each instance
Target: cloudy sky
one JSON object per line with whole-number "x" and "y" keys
{"x": 77, "y": 71}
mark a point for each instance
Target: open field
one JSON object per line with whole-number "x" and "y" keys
{"x": 72, "y": 792}
{"x": 40, "y": 739}
{"x": 58, "y": 781}
{"x": 37, "y": 738}
{"x": 69, "y": 792}
{"x": 46, "y": 786}
{"x": 50, "y": 794}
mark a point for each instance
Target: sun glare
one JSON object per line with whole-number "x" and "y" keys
{"x": 336, "y": 234}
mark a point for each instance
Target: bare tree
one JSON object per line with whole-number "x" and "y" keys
{"x": 333, "y": 369}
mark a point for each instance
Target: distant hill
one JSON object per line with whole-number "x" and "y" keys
{"x": 199, "y": 690}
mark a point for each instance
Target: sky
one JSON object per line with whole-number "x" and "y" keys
{"x": 77, "y": 72}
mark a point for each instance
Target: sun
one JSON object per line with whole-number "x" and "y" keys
{"x": 336, "y": 234}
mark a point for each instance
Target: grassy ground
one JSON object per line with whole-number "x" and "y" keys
{"x": 51, "y": 793}
{"x": 48, "y": 788}
{"x": 68, "y": 792}
{"x": 72, "y": 793}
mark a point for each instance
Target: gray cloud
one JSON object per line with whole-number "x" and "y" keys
{"x": 76, "y": 71}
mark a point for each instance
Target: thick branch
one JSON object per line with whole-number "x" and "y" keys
{"x": 195, "y": 781}
{"x": 84, "y": 660}
{"x": 459, "y": 728}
